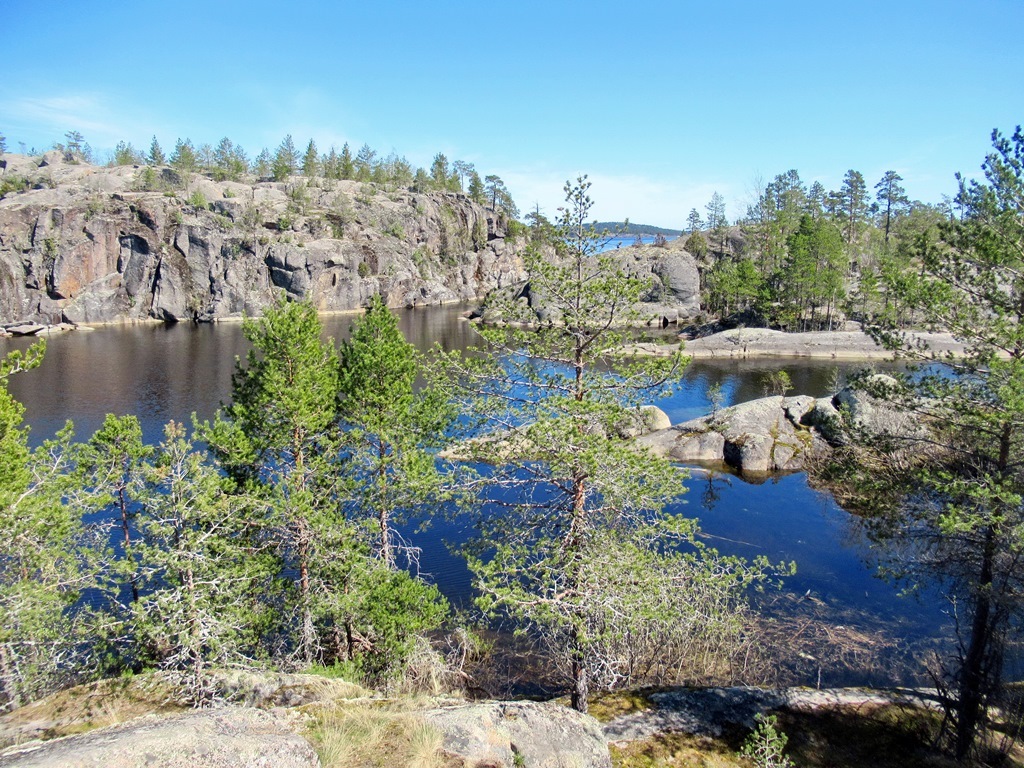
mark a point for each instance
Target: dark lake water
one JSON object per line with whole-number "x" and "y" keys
{"x": 161, "y": 372}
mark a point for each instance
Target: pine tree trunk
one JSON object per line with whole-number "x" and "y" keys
{"x": 580, "y": 678}
{"x": 386, "y": 552}
{"x": 307, "y": 635}
{"x": 9, "y": 681}
{"x": 973, "y": 680}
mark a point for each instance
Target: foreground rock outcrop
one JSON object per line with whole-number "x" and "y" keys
{"x": 276, "y": 719}
{"x": 217, "y": 738}
{"x": 513, "y": 733}
{"x": 710, "y": 711}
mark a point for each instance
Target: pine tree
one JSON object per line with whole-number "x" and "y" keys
{"x": 228, "y": 161}
{"x": 853, "y": 202}
{"x": 814, "y": 272}
{"x": 892, "y": 199}
{"x": 156, "y": 153}
{"x": 462, "y": 170}
{"x": 439, "y": 171}
{"x": 278, "y": 440}
{"x": 311, "y": 161}
{"x": 391, "y": 429}
{"x": 693, "y": 221}
{"x": 331, "y": 164}
{"x": 184, "y": 160}
{"x": 717, "y": 221}
{"x": 951, "y": 489}
{"x": 261, "y": 164}
{"x": 41, "y": 580}
{"x": 286, "y": 160}
{"x": 581, "y": 553}
{"x": 476, "y": 190}
{"x": 347, "y": 168}
{"x": 76, "y": 149}
{"x": 364, "y": 164}
{"x": 500, "y": 199}
{"x": 816, "y": 200}
{"x": 202, "y": 565}
{"x": 107, "y": 465}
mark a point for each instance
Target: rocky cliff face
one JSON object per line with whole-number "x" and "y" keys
{"x": 88, "y": 244}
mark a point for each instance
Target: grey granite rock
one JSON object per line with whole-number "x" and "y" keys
{"x": 507, "y": 734}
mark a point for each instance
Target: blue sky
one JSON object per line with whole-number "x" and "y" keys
{"x": 661, "y": 103}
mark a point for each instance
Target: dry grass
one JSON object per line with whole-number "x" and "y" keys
{"x": 679, "y": 750}
{"x": 86, "y": 707}
{"x": 364, "y": 736}
{"x": 607, "y": 706}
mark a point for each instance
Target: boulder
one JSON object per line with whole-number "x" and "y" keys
{"x": 827, "y": 420}
{"x": 686, "y": 444}
{"x": 678, "y": 272}
{"x": 25, "y": 329}
{"x": 756, "y": 437}
{"x": 53, "y": 157}
{"x": 645, "y": 419}
{"x": 875, "y": 415}
{"x": 212, "y": 738}
{"x": 280, "y": 689}
{"x": 507, "y": 734}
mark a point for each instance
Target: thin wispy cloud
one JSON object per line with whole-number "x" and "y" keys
{"x": 641, "y": 199}
{"x": 96, "y": 116}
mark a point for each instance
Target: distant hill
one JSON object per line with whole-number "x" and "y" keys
{"x": 637, "y": 229}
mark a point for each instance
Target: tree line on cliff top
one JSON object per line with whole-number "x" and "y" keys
{"x": 228, "y": 161}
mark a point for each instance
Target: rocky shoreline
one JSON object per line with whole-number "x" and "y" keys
{"x": 764, "y": 342}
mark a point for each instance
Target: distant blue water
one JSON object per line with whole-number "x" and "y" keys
{"x": 627, "y": 240}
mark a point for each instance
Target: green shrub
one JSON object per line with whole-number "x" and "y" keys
{"x": 515, "y": 230}
{"x": 765, "y": 745}
{"x": 198, "y": 200}
{"x": 147, "y": 180}
{"x": 339, "y": 670}
{"x": 9, "y": 184}
{"x": 776, "y": 383}
{"x": 395, "y": 229}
